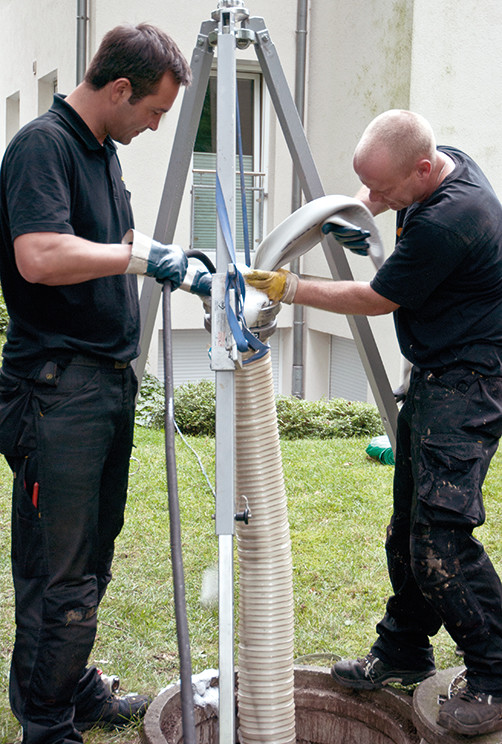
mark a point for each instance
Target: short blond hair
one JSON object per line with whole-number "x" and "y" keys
{"x": 405, "y": 135}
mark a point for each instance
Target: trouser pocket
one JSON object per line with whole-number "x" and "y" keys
{"x": 29, "y": 559}
{"x": 450, "y": 476}
{"x": 15, "y": 415}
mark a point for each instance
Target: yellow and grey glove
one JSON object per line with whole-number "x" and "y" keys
{"x": 279, "y": 286}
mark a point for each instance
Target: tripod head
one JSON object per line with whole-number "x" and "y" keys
{"x": 237, "y": 6}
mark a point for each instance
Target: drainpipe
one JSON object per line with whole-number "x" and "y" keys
{"x": 82, "y": 20}
{"x": 297, "y": 383}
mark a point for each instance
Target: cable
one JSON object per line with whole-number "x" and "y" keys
{"x": 197, "y": 457}
{"x": 195, "y": 253}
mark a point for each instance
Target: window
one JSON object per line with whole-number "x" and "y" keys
{"x": 249, "y": 93}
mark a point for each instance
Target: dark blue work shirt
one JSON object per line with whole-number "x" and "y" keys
{"x": 446, "y": 273}
{"x": 57, "y": 177}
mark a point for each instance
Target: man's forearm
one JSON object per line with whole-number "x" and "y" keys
{"x": 63, "y": 259}
{"x": 343, "y": 297}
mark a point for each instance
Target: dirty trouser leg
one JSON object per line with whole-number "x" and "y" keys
{"x": 459, "y": 579}
{"x": 62, "y": 548}
{"x": 455, "y": 426}
{"x": 409, "y": 621}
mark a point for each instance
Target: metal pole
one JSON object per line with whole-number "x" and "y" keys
{"x": 82, "y": 20}
{"x": 297, "y": 382}
{"x": 224, "y": 374}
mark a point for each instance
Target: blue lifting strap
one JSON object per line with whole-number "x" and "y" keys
{"x": 244, "y": 339}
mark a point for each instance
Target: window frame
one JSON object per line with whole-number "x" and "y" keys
{"x": 258, "y": 174}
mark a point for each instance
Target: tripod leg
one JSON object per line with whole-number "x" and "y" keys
{"x": 174, "y": 184}
{"x": 310, "y": 181}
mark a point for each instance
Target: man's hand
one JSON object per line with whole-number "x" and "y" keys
{"x": 167, "y": 262}
{"x": 350, "y": 236}
{"x": 148, "y": 257}
{"x": 279, "y": 286}
{"x": 198, "y": 282}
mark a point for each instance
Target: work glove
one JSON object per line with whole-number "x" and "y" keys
{"x": 279, "y": 286}
{"x": 350, "y": 236}
{"x": 198, "y": 282}
{"x": 150, "y": 258}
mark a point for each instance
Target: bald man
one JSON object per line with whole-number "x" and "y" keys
{"x": 443, "y": 282}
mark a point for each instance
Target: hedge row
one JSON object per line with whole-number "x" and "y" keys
{"x": 194, "y": 411}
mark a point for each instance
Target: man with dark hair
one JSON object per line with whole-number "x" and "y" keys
{"x": 67, "y": 389}
{"x": 443, "y": 282}
{"x": 140, "y": 53}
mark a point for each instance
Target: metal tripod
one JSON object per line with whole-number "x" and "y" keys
{"x": 231, "y": 28}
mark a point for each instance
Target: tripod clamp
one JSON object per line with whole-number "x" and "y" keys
{"x": 240, "y": 13}
{"x": 243, "y": 36}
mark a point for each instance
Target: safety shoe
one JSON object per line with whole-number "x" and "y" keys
{"x": 371, "y": 673}
{"x": 115, "y": 712}
{"x": 471, "y": 713}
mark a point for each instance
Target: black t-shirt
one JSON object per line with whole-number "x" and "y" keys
{"x": 57, "y": 177}
{"x": 446, "y": 273}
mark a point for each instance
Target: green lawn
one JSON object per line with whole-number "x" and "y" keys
{"x": 339, "y": 505}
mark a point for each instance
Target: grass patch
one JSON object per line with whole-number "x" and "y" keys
{"x": 339, "y": 505}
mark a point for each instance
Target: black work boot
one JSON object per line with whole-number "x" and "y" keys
{"x": 371, "y": 673}
{"x": 115, "y": 712}
{"x": 471, "y": 713}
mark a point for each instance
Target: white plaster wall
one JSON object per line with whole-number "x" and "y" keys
{"x": 455, "y": 80}
{"x": 36, "y": 38}
{"x": 359, "y": 65}
{"x": 317, "y": 351}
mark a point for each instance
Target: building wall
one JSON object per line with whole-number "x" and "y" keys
{"x": 364, "y": 56}
{"x": 30, "y": 48}
{"x": 455, "y": 77}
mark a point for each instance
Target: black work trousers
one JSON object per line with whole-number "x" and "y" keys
{"x": 448, "y": 431}
{"x": 69, "y": 496}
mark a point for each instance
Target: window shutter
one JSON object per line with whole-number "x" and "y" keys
{"x": 347, "y": 376}
{"x": 204, "y": 203}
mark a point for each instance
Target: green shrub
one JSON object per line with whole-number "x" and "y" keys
{"x": 195, "y": 408}
{"x": 150, "y": 407}
{"x": 4, "y": 317}
{"x": 194, "y": 411}
{"x": 326, "y": 419}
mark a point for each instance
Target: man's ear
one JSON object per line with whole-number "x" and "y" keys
{"x": 424, "y": 168}
{"x": 120, "y": 90}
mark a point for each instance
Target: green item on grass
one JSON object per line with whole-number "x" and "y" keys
{"x": 379, "y": 448}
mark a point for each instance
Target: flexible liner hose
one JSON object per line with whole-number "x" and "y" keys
{"x": 266, "y": 675}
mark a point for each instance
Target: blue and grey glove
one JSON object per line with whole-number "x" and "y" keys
{"x": 350, "y": 236}
{"x": 150, "y": 258}
{"x": 198, "y": 282}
